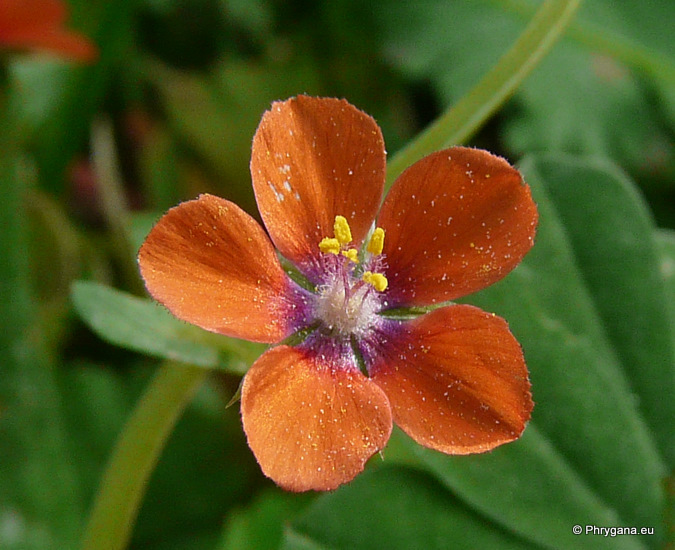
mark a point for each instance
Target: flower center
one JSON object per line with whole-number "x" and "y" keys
{"x": 352, "y": 292}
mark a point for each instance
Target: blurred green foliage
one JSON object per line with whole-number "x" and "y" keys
{"x": 178, "y": 90}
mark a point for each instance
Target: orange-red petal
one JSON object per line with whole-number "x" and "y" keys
{"x": 455, "y": 222}
{"x": 314, "y": 159}
{"x": 311, "y": 424}
{"x": 456, "y": 380}
{"x": 211, "y": 264}
{"x": 39, "y": 24}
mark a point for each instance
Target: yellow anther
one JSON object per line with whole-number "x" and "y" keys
{"x": 376, "y": 280}
{"x": 376, "y": 244}
{"x": 342, "y": 231}
{"x": 329, "y": 245}
{"x": 352, "y": 254}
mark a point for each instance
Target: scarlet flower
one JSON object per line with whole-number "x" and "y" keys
{"x": 39, "y": 25}
{"x": 454, "y": 378}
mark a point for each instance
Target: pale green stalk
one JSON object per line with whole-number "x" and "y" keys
{"x": 597, "y": 38}
{"x": 136, "y": 454}
{"x": 485, "y": 98}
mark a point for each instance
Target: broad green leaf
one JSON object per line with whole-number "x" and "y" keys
{"x": 394, "y": 508}
{"x": 599, "y": 107}
{"x": 584, "y": 403}
{"x": 262, "y": 522}
{"x": 142, "y": 325}
{"x": 665, "y": 240}
{"x": 527, "y": 488}
{"x": 623, "y": 275}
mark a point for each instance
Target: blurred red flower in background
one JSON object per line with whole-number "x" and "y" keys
{"x": 38, "y": 25}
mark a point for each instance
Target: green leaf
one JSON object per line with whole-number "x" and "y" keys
{"x": 665, "y": 240}
{"x": 142, "y": 325}
{"x": 527, "y": 488}
{"x": 580, "y": 101}
{"x": 262, "y": 523}
{"x": 617, "y": 255}
{"x": 394, "y": 508}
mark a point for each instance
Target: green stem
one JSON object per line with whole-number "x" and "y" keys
{"x": 136, "y": 453}
{"x": 485, "y": 98}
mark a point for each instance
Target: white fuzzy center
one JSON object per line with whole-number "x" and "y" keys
{"x": 347, "y": 305}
